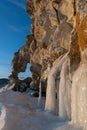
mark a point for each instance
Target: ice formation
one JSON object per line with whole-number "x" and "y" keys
{"x": 2, "y": 116}
{"x": 65, "y": 91}
{"x": 40, "y": 96}
{"x": 20, "y": 114}
{"x": 7, "y": 87}
{"x": 52, "y": 89}
{"x": 79, "y": 96}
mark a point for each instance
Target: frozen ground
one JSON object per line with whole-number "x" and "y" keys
{"x": 22, "y": 114}
{"x": 2, "y": 116}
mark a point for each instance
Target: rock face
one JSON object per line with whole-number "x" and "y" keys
{"x": 55, "y": 49}
{"x": 53, "y": 34}
{"x": 22, "y": 85}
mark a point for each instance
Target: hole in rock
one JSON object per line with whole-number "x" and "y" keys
{"x": 27, "y": 73}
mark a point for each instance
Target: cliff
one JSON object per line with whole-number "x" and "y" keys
{"x": 56, "y": 49}
{"x": 53, "y": 34}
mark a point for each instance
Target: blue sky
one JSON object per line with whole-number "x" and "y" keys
{"x": 14, "y": 26}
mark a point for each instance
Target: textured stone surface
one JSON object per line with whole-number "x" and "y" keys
{"x": 81, "y": 23}
{"x": 52, "y": 25}
{"x": 58, "y": 27}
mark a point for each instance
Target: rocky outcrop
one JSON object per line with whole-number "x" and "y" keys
{"x": 59, "y": 28}
{"x": 22, "y": 85}
{"x": 52, "y": 26}
{"x": 53, "y": 34}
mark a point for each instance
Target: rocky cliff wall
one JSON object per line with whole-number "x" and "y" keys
{"x": 53, "y": 34}
{"x": 58, "y": 39}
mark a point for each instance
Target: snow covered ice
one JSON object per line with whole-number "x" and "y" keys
{"x": 22, "y": 114}
{"x": 7, "y": 87}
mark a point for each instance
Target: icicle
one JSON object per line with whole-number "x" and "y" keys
{"x": 51, "y": 95}
{"x": 57, "y": 89}
{"x": 79, "y": 93}
{"x": 40, "y": 97}
{"x": 51, "y": 84}
{"x": 79, "y": 96}
{"x": 65, "y": 91}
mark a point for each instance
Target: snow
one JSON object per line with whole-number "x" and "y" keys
{"x": 2, "y": 116}
{"x": 22, "y": 114}
{"x": 7, "y": 87}
{"x": 19, "y": 111}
